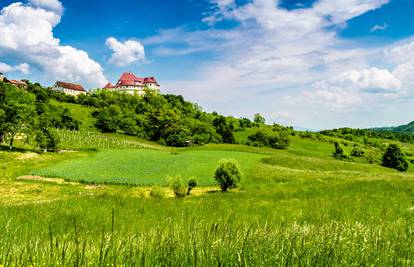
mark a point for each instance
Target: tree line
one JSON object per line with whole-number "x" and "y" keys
{"x": 31, "y": 115}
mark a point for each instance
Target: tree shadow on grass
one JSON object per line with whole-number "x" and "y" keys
{"x": 17, "y": 149}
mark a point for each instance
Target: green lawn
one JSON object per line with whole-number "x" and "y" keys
{"x": 146, "y": 167}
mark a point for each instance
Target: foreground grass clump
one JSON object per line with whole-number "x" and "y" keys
{"x": 145, "y": 167}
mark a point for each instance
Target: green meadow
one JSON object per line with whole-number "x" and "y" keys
{"x": 145, "y": 166}
{"x": 295, "y": 207}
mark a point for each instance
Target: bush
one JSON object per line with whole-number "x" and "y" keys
{"x": 339, "y": 151}
{"x": 191, "y": 184}
{"x": 357, "y": 152}
{"x": 278, "y": 140}
{"x": 228, "y": 174}
{"x": 157, "y": 192}
{"x": 178, "y": 186}
{"x": 395, "y": 158}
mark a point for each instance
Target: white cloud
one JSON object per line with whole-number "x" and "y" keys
{"x": 54, "y": 5}
{"x": 348, "y": 89}
{"x": 274, "y": 56}
{"x": 379, "y": 27}
{"x": 125, "y": 53}
{"x": 26, "y": 31}
{"x": 370, "y": 80}
{"x": 23, "y": 68}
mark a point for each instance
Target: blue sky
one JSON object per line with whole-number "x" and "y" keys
{"x": 309, "y": 63}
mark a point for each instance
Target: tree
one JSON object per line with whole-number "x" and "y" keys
{"x": 224, "y": 129}
{"x": 178, "y": 186}
{"x": 109, "y": 119}
{"x": 191, "y": 184}
{"x": 47, "y": 140}
{"x": 395, "y": 158}
{"x": 18, "y": 113}
{"x": 339, "y": 151}
{"x": 228, "y": 174}
{"x": 259, "y": 119}
{"x": 278, "y": 140}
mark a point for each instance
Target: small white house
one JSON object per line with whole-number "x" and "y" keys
{"x": 69, "y": 88}
{"x": 2, "y": 77}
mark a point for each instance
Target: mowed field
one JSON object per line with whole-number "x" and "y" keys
{"x": 146, "y": 167}
{"x": 296, "y": 207}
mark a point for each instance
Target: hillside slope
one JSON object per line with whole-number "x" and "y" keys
{"x": 408, "y": 128}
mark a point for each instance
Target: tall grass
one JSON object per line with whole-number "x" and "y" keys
{"x": 191, "y": 242}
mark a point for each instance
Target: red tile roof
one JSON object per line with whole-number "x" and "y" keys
{"x": 18, "y": 83}
{"x": 150, "y": 80}
{"x": 129, "y": 79}
{"x": 109, "y": 86}
{"x": 71, "y": 86}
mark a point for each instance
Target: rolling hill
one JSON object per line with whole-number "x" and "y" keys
{"x": 408, "y": 128}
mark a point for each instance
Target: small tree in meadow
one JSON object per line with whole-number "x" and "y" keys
{"x": 191, "y": 184}
{"x": 178, "y": 186}
{"x": 395, "y": 158}
{"x": 228, "y": 174}
{"x": 339, "y": 152}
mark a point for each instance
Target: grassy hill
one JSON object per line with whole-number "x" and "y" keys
{"x": 104, "y": 200}
{"x": 296, "y": 206}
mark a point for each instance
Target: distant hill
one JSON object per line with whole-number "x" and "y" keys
{"x": 408, "y": 128}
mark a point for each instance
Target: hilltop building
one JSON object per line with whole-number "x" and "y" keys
{"x": 17, "y": 83}
{"x": 69, "y": 88}
{"x": 131, "y": 84}
{"x": 2, "y": 77}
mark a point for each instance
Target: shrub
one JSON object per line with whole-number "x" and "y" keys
{"x": 357, "y": 152}
{"x": 395, "y": 158}
{"x": 157, "y": 192}
{"x": 339, "y": 151}
{"x": 191, "y": 184}
{"x": 178, "y": 186}
{"x": 228, "y": 174}
{"x": 278, "y": 140}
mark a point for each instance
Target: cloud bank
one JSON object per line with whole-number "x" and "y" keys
{"x": 26, "y": 32}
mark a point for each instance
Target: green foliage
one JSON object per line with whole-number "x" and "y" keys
{"x": 109, "y": 119}
{"x": 47, "y": 140}
{"x": 192, "y": 182}
{"x": 178, "y": 186}
{"x": 167, "y": 119}
{"x": 28, "y": 114}
{"x": 357, "y": 152}
{"x": 369, "y": 134}
{"x": 395, "y": 158}
{"x": 225, "y": 129}
{"x": 279, "y": 140}
{"x": 228, "y": 174}
{"x": 259, "y": 119}
{"x": 17, "y": 115}
{"x": 339, "y": 152}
